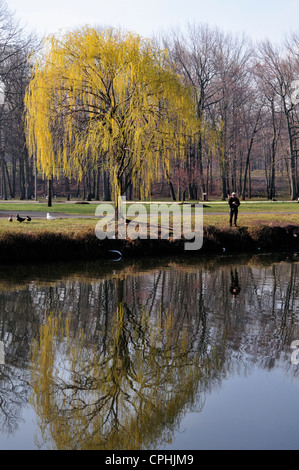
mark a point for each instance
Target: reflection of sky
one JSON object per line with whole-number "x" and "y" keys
{"x": 23, "y": 438}
{"x": 257, "y": 412}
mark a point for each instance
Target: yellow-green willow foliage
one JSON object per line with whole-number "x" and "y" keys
{"x": 105, "y": 97}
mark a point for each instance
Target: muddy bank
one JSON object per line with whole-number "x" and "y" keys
{"x": 48, "y": 246}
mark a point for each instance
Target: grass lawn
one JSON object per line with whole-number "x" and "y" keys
{"x": 253, "y": 219}
{"x": 254, "y": 207}
{"x": 250, "y": 214}
{"x": 75, "y": 226}
{"x": 64, "y": 226}
{"x": 89, "y": 209}
{"x": 64, "y": 208}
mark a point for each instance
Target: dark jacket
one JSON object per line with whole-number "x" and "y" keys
{"x": 234, "y": 202}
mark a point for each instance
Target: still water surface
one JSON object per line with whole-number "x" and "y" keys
{"x": 174, "y": 354}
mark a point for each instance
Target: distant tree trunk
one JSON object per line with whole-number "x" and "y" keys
{"x": 272, "y": 171}
{"x": 88, "y": 185}
{"x": 84, "y": 189}
{"x": 211, "y": 180}
{"x": 240, "y": 174}
{"x": 191, "y": 193}
{"x": 107, "y": 194}
{"x": 98, "y": 182}
{"x": 247, "y": 169}
{"x": 129, "y": 192}
{"x": 67, "y": 184}
{"x": 50, "y": 189}
{"x": 223, "y": 172}
{"x": 4, "y": 180}
{"x": 292, "y": 167}
{"x": 200, "y": 159}
{"x": 22, "y": 178}
{"x": 172, "y": 192}
{"x": 14, "y": 172}
{"x": 273, "y": 153}
{"x": 29, "y": 179}
{"x": 35, "y": 181}
{"x": 78, "y": 189}
{"x": 8, "y": 178}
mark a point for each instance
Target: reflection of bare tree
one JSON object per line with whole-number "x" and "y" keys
{"x": 13, "y": 396}
{"x": 16, "y": 332}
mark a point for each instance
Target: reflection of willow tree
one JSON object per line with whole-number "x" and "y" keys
{"x": 181, "y": 301}
{"x": 127, "y": 393}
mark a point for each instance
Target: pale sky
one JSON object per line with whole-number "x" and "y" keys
{"x": 260, "y": 19}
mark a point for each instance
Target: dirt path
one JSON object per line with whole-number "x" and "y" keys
{"x": 61, "y": 215}
{"x": 43, "y": 215}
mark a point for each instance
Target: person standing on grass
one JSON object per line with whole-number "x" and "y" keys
{"x": 234, "y": 203}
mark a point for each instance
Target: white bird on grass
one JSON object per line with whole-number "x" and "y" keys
{"x": 49, "y": 217}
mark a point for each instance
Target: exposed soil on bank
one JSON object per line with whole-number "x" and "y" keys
{"x": 47, "y": 246}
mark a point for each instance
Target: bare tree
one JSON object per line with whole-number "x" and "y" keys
{"x": 193, "y": 54}
{"x": 15, "y": 46}
{"x": 279, "y": 70}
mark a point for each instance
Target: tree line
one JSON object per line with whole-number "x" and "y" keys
{"x": 247, "y": 95}
{"x": 223, "y": 108}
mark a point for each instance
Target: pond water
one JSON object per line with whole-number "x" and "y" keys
{"x": 173, "y": 354}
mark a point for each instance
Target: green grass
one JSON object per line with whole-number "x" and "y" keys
{"x": 250, "y": 214}
{"x": 73, "y": 226}
{"x": 64, "y": 208}
{"x": 64, "y": 226}
{"x": 247, "y": 220}
{"x": 89, "y": 209}
{"x": 255, "y": 207}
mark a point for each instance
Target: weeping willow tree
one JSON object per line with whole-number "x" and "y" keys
{"x": 104, "y": 97}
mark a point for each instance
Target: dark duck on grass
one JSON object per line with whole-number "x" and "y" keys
{"x": 20, "y": 219}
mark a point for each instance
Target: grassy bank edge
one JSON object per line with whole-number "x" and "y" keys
{"x": 47, "y": 246}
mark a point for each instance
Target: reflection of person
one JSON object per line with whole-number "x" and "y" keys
{"x": 234, "y": 203}
{"x": 234, "y": 287}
